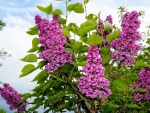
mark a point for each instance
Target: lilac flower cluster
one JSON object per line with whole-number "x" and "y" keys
{"x": 101, "y": 26}
{"x": 51, "y": 38}
{"x": 12, "y": 98}
{"x": 109, "y": 19}
{"x": 94, "y": 84}
{"x": 144, "y": 83}
{"x": 100, "y": 29}
{"x": 126, "y": 45}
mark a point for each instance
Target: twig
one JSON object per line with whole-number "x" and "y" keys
{"x": 78, "y": 94}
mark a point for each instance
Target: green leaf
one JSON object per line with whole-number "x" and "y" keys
{"x": 133, "y": 76}
{"x": 76, "y": 47}
{"x": 40, "y": 75}
{"x": 33, "y": 108}
{"x": 33, "y": 31}
{"x": 72, "y": 41}
{"x": 27, "y": 69}
{"x": 86, "y": 27}
{"x": 66, "y": 32}
{"x": 106, "y": 59}
{"x": 120, "y": 85}
{"x": 30, "y": 58}
{"x": 113, "y": 35}
{"x": 99, "y": 14}
{"x": 121, "y": 69}
{"x": 83, "y": 39}
{"x": 79, "y": 8}
{"x": 62, "y": 20}
{"x": 104, "y": 51}
{"x": 141, "y": 64}
{"x": 83, "y": 49}
{"x": 66, "y": 68}
{"x": 86, "y": 1}
{"x": 42, "y": 63}
{"x": 107, "y": 26}
{"x": 57, "y": 11}
{"x": 34, "y": 49}
{"x": 90, "y": 16}
{"x": 132, "y": 106}
{"x": 148, "y": 41}
{"x": 38, "y": 101}
{"x": 41, "y": 8}
{"x": 72, "y": 27}
{"x": 25, "y": 97}
{"x": 48, "y": 84}
{"x": 94, "y": 39}
{"x": 48, "y": 9}
{"x": 81, "y": 58}
{"x": 140, "y": 90}
{"x": 63, "y": 106}
{"x": 35, "y": 42}
{"x": 82, "y": 63}
{"x": 72, "y": 6}
{"x": 59, "y": 96}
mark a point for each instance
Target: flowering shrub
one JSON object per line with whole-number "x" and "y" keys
{"x": 104, "y": 71}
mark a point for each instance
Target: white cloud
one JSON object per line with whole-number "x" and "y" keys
{"x": 19, "y": 10}
{"x": 27, "y": 1}
{"x": 47, "y": 2}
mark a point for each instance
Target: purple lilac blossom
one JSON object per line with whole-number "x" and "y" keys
{"x": 51, "y": 38}
{"x": 94, "y": 84}
{"x": 126, "y": 43}
{"x": 144, "y": 83}
{"x": 12, "y": 98}
{"x": 109, "y": 19}
{"x": 100, "y": 30}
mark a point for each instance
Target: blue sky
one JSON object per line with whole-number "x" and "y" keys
{"x": 19, "y": 16}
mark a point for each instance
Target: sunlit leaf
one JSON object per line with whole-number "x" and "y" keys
{"x": 27, "y": 69}
{"x": 57, "y": 11}
{"x": 30, "y": 58}
{"x": 94, "y": 39}
{"x": 120, "y": 85}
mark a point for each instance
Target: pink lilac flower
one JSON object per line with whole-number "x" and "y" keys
{"x": 109, "y": 19}
{"x": 12, "y": 98}
{"x": 144, "y": 83}
{"x": 51, "y": 38}
{"x": 100, "y": 30}
{"x": 94, "y": 87}
{"x": 127, "y": 39}
{"x": 94, "y": 84}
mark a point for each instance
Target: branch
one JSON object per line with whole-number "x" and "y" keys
{"x": 78, "y": 94}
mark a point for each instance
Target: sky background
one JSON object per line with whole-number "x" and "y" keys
{"x": 19, "y": 16}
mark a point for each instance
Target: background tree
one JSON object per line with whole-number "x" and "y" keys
{"x": 3, "y": 53}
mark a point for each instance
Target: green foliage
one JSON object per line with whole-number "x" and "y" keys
{"x": 107, "y": 26}
{"x": 76, "y": 7}
{"x": 30, "y": 58}
{"x": 2, "y": 110}
{"x": 94, "y": 39}
{"x": 27, "y": 69}
{"x": 120, "y": 85}
{"x": 47, "y": 10}
{"x": 57, "y": 11}
{"x": 33, "y": 31}
{"x": 86, "y": 27}
{"x": 113, "y": 35}
{"x": 65, "y": 32}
